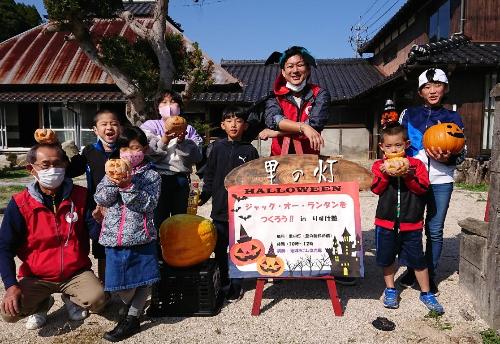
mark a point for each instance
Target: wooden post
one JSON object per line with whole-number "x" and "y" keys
{"x": 493, "y": 247}
{"x": 480, "y": 242}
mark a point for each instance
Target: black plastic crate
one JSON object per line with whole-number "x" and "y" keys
{"x": 193, "y": 291}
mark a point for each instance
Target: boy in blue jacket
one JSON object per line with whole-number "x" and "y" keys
{"x": 432, "y": 85}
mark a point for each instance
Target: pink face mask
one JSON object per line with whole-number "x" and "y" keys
{"x": 135, "y": 157}
{"x": 169, "y": 110}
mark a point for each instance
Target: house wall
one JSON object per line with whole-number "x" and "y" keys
{"x": 482, "y": 20}
{"x": 470, "y": 105}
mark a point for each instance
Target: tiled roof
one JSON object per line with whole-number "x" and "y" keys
{"x": 144, "y": 9}
{"x": 139, "y": 9}
{"x": 38, "y": 57}
{"x": 343, "y": 78}
{"x": 55, "y": 96}
{"x": 456, "y": 50}
{"x": 218, "y": 97}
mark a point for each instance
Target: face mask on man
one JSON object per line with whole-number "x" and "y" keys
{"x": 169, "y": 110}
{"x": 296, "y": 88}
{"x": 135, "y": 157}
{"x": 51, "y": 178}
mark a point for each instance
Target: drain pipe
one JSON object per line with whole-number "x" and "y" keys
{"x": 462, "y": 17}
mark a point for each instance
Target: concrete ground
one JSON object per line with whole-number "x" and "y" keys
{"x": 300, "y": 311}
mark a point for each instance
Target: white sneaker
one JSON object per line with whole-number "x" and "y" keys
{"x": 38, "y": 320}
{"x": 75, "y": 312}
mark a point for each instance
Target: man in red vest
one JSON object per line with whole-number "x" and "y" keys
{"x": 44, "y": 226}
{"x": 298, "y": 108}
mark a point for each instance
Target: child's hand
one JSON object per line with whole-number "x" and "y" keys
{"x": 99, "y": 213}
{"x": 167, "y": 137}
{"x": 383, "y": 169}
{"x": 123, "y": 182}
{"x": 181, "y": 136}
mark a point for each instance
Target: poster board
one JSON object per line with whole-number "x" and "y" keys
{"x": 295, "y": 230}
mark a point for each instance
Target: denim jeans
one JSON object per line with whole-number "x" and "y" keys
{"x": 438, "y": 200}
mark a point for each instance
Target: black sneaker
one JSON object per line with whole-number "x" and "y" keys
{"x": 234, "y": 294}
{"x": 408, "y": 279}
{"x": 433, "y": 287}
{"x": 125, "y": 328}
{"x": 345, "y": 280}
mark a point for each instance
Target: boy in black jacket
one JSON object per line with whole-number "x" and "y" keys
{"x": 107, "y": 128}
{"x": 226, "y": 154}
{"x": 401, "y": 182}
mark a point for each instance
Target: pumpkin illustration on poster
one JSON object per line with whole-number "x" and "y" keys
{"x": 246, "y": 250}
{"x": 270, "y": 264}
{"x": 447, "y": 136}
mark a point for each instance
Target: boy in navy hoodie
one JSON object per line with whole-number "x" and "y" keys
{"x": 226, "y": 154}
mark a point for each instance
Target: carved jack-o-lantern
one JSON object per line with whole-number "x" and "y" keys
{"x": 447, "y": 136}
{"x": 175, "y": 124}
{"x": 47, "y": 136}
{"x": 396, "y": 163}
{"x": 390, "y": 116}
{"x": 270, "y": 264}
{"x": 117, "y": 168}
{"x": 246, "y": 250}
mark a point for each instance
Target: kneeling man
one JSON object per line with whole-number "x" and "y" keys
{"x": 44, "y": 226}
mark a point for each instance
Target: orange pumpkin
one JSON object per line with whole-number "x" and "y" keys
{"x": 117, "y": 168}
{"x": 447, "y": 136}
{"x": 187, "y": 240}
{"x": 270, "y": 264}
{"x": 389, "y": 117}
{"x": 396, "y": 163}
{"x": 246, "y": 250}
{"x": 175, "y": 124}
{"x": 45, "y": 136}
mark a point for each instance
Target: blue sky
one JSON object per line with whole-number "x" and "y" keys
{"x": 252, "y": 29}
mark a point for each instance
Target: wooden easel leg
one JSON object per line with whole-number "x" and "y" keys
{"x": 332, "y": 290}
{"x": 257, "y": 299}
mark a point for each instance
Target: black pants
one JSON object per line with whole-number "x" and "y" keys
{"x": 173, "y": 197}
{"x": 221, "y": 255}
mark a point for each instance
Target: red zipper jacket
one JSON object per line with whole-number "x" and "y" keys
{"x": 313, "y": 110}
{"x": 52, "y": 248}
{"x": 412, "y": 187}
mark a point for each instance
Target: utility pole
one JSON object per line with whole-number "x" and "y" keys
{"x": 359, "y": 35}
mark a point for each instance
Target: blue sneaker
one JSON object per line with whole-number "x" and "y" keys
{"x": 391, "y": 298}
{"x": 430, "y": 301}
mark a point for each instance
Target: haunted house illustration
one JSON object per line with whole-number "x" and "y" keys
{"x": 347, "y": 261}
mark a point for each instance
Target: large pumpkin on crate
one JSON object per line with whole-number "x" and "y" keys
{"x": 187, "y": 240}
{"x": 447, "y": 136}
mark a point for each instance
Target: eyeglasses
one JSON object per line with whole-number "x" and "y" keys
{"x": 46, "y": 166}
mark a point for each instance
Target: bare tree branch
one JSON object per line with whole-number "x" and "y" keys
{"x": 139, "y": 29}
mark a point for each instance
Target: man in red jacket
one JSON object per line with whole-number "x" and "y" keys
{"x": 298, "y": 108}
{"x": 44, "y": 226}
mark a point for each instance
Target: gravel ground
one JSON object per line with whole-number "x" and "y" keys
{"x": 300, "y": 311}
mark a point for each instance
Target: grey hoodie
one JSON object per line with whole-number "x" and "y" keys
{"x": 129, "y": 217}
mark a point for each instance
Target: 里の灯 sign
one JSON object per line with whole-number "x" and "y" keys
{"x": 295, "y": 230}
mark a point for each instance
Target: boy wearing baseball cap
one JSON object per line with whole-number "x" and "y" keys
{"x": 432, "y": 85}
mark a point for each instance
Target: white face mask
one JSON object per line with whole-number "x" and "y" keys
{"x": 296, "y": 88}
{"x": 51, "y": 178}
{"x": 106, "y": 144}
{"x": 169, "y": 110}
